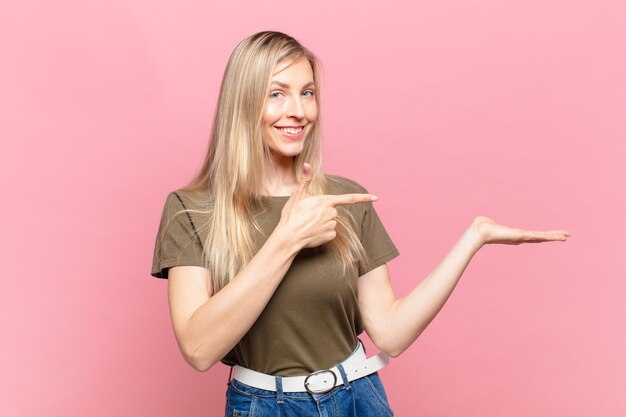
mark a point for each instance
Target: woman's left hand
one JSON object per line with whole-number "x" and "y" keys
{"x": 492, "y": 232}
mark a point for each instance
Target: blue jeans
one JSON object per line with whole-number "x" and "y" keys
{"x": 363, "y": 397}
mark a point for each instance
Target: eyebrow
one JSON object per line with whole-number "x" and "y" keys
{"x": 310, "y": 83}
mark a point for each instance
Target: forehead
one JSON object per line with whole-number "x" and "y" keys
{"x": 299, "y": 70}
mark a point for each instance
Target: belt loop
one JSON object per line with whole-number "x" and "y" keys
{"x": 230, "y": 375}
{"x": 342, "y": 371}
{"x": 280, "y": 395}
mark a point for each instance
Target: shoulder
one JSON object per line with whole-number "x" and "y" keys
{"x": 338, "y": 184}
{"x": 174, "y": 202}
{"x": 188, "y": 198}
{"x": 193, "y": 204}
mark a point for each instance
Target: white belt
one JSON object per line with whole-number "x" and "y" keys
{"x": 357, "y": 365}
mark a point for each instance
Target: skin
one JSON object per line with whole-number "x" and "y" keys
{"x": 207, "y": 326}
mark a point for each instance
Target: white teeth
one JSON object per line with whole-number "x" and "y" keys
{"x": 290, "y": 130}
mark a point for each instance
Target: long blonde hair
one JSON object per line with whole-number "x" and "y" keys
{"x": 236, "y": 162}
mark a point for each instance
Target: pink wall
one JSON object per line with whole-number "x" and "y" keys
{"x": 446, "y": 110}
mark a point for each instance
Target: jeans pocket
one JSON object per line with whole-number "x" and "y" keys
{"x": 378, "y": 392}
{"x": 240, "y": 404}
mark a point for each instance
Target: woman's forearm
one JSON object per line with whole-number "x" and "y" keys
{"x": 220, "y": 323}
{"x": 410, "y": 315}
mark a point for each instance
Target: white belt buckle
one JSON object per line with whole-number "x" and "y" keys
{"x": 320, "y": 379}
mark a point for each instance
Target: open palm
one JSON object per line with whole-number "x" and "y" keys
{"x": 492, "y": 232}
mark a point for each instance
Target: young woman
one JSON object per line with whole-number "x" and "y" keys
{"x": 274, "y": 267}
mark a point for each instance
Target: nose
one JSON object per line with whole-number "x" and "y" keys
{"x": 296, "y": 109}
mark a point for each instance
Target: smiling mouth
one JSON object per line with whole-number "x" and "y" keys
{"x": 290, "y": 130}
{"x": 291, "y": 133}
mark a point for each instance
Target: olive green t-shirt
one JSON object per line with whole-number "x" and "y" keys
{"x": 312, "y": 320}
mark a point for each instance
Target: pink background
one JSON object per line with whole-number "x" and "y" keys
{"x": 446, "y": 110}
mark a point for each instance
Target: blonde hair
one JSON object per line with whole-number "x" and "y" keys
{"x": 235, "y": 165}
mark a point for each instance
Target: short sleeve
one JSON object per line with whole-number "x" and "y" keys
{"x": 376, "y": 241}
{"x": 177, "y": 241}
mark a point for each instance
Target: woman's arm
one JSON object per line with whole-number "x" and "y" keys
{"x": 207, "y": 327}
{"x": 392, "y": 324}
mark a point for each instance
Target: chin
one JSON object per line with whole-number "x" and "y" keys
{"x": 287, "y": 153}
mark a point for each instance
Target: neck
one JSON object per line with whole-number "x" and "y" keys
{"x": 281, "y": 178}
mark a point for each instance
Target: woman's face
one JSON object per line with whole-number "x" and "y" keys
{"x": 290, "y": 110}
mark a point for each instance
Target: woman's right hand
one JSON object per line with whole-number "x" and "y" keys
{"x": 310, "y": 220}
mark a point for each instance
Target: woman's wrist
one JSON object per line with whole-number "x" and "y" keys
{"x": 475, "y": 234}
{"x": 286, "y": 239}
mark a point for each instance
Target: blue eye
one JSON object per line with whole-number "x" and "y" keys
{"x": 276, "y": 93}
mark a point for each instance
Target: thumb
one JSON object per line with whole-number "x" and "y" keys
{"x": 305, "y": 180}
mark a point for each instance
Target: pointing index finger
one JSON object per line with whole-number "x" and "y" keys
{"x": 342, "y": 199}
